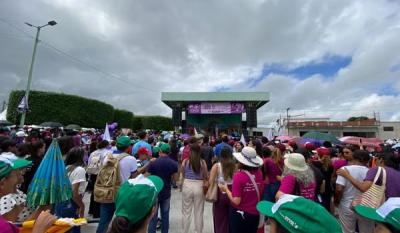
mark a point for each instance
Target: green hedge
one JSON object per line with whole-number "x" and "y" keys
{"x": 137, "y": 123}
{"x": 123, "y": 118}
{"x": 152, "y": 122}
{"x": 60, "y": 107}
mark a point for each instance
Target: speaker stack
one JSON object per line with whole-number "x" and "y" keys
{"x": 177, "y": 116}
{"x": 251, "y": 116}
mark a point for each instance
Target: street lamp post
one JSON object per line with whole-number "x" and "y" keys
{"x": 287, "y": 121}
{"x": 28, "y": 86}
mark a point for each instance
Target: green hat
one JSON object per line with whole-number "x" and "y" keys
{"x": 165, "y": 148}
{"x": 160, "y": 138}
{"x": 137, "y": 196}
{"x": 389, "y": 212}
{"x": 5, "y": 169}
{"x": 298, "y": 214}
{"x": 123, "y": 141}
{"x": 156, "y": 149}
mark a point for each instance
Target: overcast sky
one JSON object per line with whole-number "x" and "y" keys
{"x": 334, "y": 58}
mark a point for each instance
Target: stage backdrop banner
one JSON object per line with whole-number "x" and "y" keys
{"x": 216, "y": 108}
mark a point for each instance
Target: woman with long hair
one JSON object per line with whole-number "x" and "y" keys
{"x": 299, "y": 180}
{"x": 324, "y": 164}
{"x": 194, "y": 171}
{"x": 222, "y": 172}
{"x": 239, "y": 146}
{"x": 247, "y": 190}
{"x": 256, "y": 144}
{"x": 36, "y": 154}
{"x": 66, "y": 143}
{"x": 273, "y": 168}
{"x": 74, "y": 207}
{"x": 347, "y": 160}
{"x": 95, "y": 163}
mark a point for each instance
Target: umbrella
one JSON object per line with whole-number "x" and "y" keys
{"x": 184, "y": 136}
{"x": 396, "y": 146}
{"x": 5, "y": 122}
{"x": 167, "y": 136}
{"x": 51, "y": 124}
{"x": 284, "y": 138}
{"x": 372, "y": 142}
{"x": 77, "y": 127}
{"x": 51, "y": 184}
{"x": 315, "y": 142}
{"x": 322, "y": 136}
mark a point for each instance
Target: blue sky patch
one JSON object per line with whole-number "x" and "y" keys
{"x": 221, "y": 89}
{"x": 329, "y": 67}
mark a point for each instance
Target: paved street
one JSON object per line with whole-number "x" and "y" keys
{"x": 175, "y": 216}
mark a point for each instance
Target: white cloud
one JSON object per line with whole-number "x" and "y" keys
{"x": 202, "y": 46}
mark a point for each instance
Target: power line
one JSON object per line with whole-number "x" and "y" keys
{"x": 80, "y": 61}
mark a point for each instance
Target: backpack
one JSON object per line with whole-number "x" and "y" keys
{"x": 108, "y": 180}
{"x": 186, "y": 152}
{"x": 95, "y": 163}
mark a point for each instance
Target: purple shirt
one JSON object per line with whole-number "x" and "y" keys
{"x": 189, "y": 173}
{"x": 272, "y": 170}
{"x": 392, "y": 180}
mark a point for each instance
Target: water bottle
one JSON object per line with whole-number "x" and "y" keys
{"x": 221, "y": 181}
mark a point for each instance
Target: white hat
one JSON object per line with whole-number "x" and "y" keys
{"x": 249, "y": 157}
{"x": 21, "y": 134}
{"x": 296, "y": 162}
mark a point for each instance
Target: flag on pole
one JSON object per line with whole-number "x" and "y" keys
{"x": 106, "y": 134}
{"x": 195, "y": 131}
{"x": 23, "y": 105}
{"x": 270, "y": 135}
{"x": 281, "y": 131}
{"x": 242, "y": 140}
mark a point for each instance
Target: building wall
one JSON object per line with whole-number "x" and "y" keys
{"x": 362, "y": 131}
{"x": 385, "y": 130}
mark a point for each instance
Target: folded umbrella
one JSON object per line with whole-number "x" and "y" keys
{"x": 50, "y": 184}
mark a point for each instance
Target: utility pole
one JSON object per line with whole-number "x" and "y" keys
{"x": 287, "y": 121}
{"x": 28, "y": 86}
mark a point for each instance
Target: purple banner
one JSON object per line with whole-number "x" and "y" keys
{"x": 216, "y": 108}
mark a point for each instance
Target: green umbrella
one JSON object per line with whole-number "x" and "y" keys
{"x": 322, "y": 136}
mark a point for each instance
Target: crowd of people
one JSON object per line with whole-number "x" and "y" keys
{"x": 290, "y": 187}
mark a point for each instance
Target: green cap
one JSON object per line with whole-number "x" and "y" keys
{"x": 156, "y": 149}
{"x": 165, "y": 148}
{"x": 5, "y": 169}
{"x": 160, "y": 138}
{"x": 389, "y": 212}
{"x": 298, "y": 214}
{"x": 123, "y": 141}
{"x": 137, "y": 196}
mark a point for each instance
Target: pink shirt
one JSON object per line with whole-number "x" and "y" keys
{"x": 288, "y": 183}
{"x": 243, "y": 187}
{"x": 272, "y": 170}
{"x": 7, "y": 227}
{"x": 339, "y": 164}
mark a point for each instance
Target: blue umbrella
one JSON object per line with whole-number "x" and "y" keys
{"x": 315, "y": 142}
{"x": 51, "y": 184}
{"x": 396, "y": 146}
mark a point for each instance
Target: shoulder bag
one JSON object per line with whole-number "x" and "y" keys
{"x": 212, "y": 192}
{"x": 374, "y": 197}
{"x": 262, "y": 218}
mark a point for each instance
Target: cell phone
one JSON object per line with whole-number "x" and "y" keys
{"x": 360, "y": 140}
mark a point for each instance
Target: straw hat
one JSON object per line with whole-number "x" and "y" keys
{"x": 249, "y": 157}
{"x": 296, "y": 162}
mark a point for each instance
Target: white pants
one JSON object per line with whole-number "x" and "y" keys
{"x": 192, "y": 195}
{"x": 348, "y": 219}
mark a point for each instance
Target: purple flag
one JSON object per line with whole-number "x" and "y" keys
{"x": 23, "y": 105}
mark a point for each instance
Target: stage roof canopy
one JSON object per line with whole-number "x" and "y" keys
{"x": 183, "y": 99}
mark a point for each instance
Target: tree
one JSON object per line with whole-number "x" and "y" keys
{"x": 360, "y": 118}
